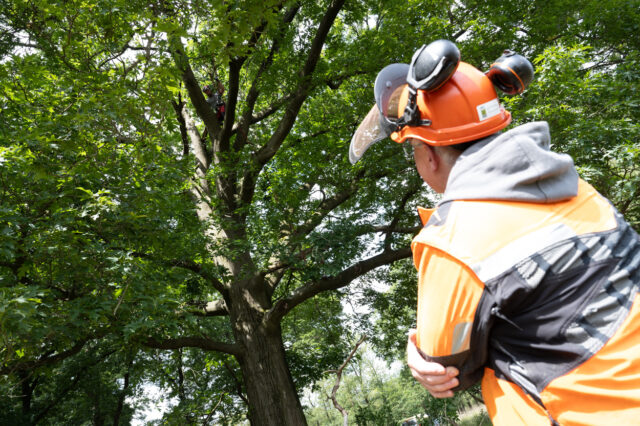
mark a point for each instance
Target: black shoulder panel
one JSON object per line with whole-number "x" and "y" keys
{"x": 552, "y": 311}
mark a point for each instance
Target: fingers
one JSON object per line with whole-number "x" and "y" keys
{"x": 438, "y": 385}
{"x": 438, "y": 389}
{"x": 434, "y": 377}
{"x": 442, "y": 390}
{"x": 417, "y": 363}
{"x": 447, "y": 394}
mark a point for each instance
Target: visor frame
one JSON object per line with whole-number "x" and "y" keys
{"x": 370, "y": 131}
{"x": 388, "y": 80}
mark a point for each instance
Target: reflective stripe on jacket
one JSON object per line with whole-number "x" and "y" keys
{"x": 540, "y": 301}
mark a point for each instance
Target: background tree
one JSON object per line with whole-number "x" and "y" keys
{"x": 375, "y": 392}
{"x": 134, "y": 248}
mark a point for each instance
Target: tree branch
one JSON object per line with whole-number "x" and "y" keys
{"x": 123, "y": 393}
{"x": 197, "y": 144}
{"x": 403, "y": 202}
{"x": 48, "y": 359}
{"x": 283, "y": 306}
{"x": 334, "y": 391}
{"x": 252, "y": 96}
{"x": 302, "y": 91}
{"x": 336, "y": 81}
{"x": 193, "y": 342}
{"x": 624, "y": 206}
{"x": 61, "y": 393}
{"x": 237, "y": 383}
{"x": 271, "y": 109}
{"x": 213, "y": 410}
{"x": 247, "y": 185}
{"x": 359, "y": 231}
{"x": 126, "y": 46}
{"x": 329, "y": 204}
{"x": 234, "y": 84}
{"x": 178, "y": 107}
{"x": 189, "y": 265}
{"x": 204, "y": 111}
{"x": 215, "y": 308}
{"x": 269, "y": 149}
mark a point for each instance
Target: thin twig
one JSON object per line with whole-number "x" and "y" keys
{"x": 345, "y": 414}
{"x": 213, "y": 410}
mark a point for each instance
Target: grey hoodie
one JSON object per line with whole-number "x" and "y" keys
{"x": 516, "y": 165}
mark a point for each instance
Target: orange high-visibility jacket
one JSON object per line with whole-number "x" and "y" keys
{"x": 532, "y": 286}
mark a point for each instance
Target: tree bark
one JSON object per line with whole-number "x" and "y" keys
{"x": 271, "y": 393}
{"x": 27, "y": 393}
{"x": 123, "y": 394}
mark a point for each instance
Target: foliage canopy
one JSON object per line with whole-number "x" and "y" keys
{"x": 143, "y": 240}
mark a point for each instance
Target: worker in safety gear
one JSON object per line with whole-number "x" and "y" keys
{"x": 528, "y": 277}
{"x": 215, "y": 98}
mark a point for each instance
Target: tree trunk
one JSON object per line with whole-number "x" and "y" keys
{"x": 27, "y": 394}
{"x": 123, "y": 394}
{"x": 272, "y": 395}
{"x": 273, "y": 399}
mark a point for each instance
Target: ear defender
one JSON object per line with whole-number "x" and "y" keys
{"x": 511, "y": 73}
{"x": 432, "y": 65}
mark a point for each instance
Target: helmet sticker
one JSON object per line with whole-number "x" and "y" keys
{"x": 488, "y": 109}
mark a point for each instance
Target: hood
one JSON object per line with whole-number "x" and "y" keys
{"x": 513, "y": 166}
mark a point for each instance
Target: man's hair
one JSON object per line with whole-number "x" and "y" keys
{"x": 462, "y": 147}
{"x": 448, "y": 153}
{"x": 452, "y": 152}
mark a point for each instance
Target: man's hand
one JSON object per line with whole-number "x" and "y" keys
{"x": 435, "y": 378}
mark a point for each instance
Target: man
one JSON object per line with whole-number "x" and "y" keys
{"x": 527, "y": 277}
{"x": 215, "y": 98}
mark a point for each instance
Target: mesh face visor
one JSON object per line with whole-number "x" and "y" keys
{"x": 381, "y": 120}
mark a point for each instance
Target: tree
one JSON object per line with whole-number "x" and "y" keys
{"x": 125, "y": 225}
{"x": 374, "y": 392}
{"x": 110, "y": 231}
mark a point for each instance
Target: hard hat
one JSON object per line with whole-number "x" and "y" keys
{"x": 437, "y": 99}
{"x": 464, "y": 109}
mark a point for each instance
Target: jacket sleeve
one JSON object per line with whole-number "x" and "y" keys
{"x": 448, "y": 295}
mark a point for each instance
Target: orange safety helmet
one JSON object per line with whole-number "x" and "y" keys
{"x": 464, "y": 109}
{"x": 438, "y": 99}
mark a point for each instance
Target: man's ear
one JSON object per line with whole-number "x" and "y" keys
{"x": 433, "y": 158}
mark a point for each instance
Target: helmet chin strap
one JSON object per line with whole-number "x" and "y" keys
{"x": 411, "y": 115}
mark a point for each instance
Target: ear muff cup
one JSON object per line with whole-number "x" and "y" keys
{"x": 432, "y": 65}
{"x": 511, "y": 73}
